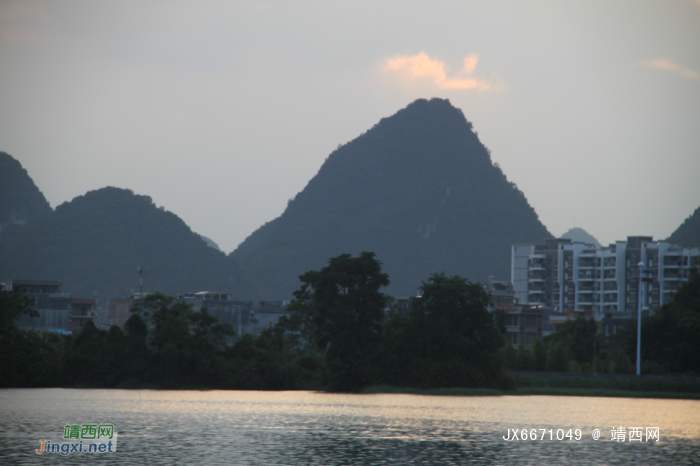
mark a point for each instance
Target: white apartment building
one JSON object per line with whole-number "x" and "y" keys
{"x": 578, "y": 277}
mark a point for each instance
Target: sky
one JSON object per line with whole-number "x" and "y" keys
{"x": 222, "y": 111}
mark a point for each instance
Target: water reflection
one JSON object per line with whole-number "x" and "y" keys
{"x": 290, "y": 428}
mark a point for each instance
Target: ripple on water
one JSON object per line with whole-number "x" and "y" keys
{"x": 308, "y": 428}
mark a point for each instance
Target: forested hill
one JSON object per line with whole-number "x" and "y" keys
{"x": 96, "y": 241}
{"x": 419, "y": 189}
{"x": 688, "y": 233}
{"x": 21, "y": 202}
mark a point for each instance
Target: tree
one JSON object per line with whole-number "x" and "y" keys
{"x": 509, "y": 356}
{"x": 557, "y": 360}
{"x": 264, "y": 362}
{"x": 524, "y": 360}
{"x": 340, "y": 310}
{"x": 187, "y": 345}
{"x": 670, "y": 335}
{"x": 576, "y": 337}
{"x": 86, "y": 361}
{"x": 135, "y": 350}
{"x": 539, "y": 354}
{"x": 27, "y": 358}
{"x": 449, "y": 338}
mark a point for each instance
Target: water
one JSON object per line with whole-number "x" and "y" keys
{"x": 309, "y": 428}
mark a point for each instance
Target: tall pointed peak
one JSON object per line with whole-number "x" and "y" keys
{"x": 418, "y": 189}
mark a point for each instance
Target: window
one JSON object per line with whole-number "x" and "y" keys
{"x": 530, "y": 321}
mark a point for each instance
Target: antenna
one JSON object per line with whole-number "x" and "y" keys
{"x": 140, "y": 269}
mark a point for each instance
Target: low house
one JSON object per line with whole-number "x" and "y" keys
{"x": 83, "y": 311}
{"x": 121, "y": 309}
{"x": 53, "y": 305}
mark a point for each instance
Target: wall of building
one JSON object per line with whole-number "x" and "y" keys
{"x": 578, "y": 277}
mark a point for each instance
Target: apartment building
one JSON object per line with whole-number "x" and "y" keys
{"x": 578, "y": 277}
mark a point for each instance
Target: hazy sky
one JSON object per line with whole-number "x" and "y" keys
{"x": 222, "y": 111}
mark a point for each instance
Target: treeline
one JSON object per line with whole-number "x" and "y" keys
{"x": 575, "y": 347}
{"x": 340, "y": 337}
{"x": 164, "y": 344}
{"x": 669, "y": 344}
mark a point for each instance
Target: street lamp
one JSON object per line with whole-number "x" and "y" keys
{"x": 639, "y": 320}
{"x": 644, "y": 276}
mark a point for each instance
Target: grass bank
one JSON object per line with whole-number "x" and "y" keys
{"x": 572, "y": 385}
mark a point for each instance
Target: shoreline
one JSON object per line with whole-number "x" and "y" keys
{"x": 390, "y": 390}
{"x": 531, "y": 391}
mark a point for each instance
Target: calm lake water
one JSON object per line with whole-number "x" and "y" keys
{"x": 309, "y": 428}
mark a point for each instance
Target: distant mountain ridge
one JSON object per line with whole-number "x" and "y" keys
{"x": 210, "y": 243}
{"x": 688, "y": 233}
{"x": 418, "y": 189}
{"x": 580, "y": 235}
{"x": 21, "y": 202}
{"x": 96, "y": 241}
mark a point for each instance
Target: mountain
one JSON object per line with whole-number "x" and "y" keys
{"x": 418, "y": 189}
{"x": 210, "y": 243}
{"x": 21, "y": 202}
{"x": 96, "y": 241}
{"x": 580, "y": 235}
{"x": 688, "y": 233}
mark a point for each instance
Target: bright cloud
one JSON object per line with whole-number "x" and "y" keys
{"x": 669, "y": 65}
{"x": 20, "y": 10}
{"x": 422, "y": 66}
{"x": 16, "y": 21}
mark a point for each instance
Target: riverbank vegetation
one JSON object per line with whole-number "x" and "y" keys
{"x": 669, "y": 343}
{"x": 344, "y": 334}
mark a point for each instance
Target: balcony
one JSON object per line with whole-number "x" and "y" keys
{"x": 589, "y": 275}
{"x": 675, "y": 261}
{"x": 588, "y": 265}
{"x": 536, "y": 263}
{"x": 588, "y": 288}
{"x": 675, "y": 275}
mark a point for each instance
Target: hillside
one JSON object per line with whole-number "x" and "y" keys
{"x": 21, "y": 202}
{"x": 688, "y": 233}
{"x": 96, "y": 241}
{"x": 418, "y": 189}
{"x": 580, "y": 235}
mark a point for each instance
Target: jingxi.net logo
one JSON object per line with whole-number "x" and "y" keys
{"x": 82, "y": 438}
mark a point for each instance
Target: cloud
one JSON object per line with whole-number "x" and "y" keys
{"x": 20, "y": 10}
{"x": 16, "y": 21}
{"x": 421, "y": 66}
{"x": 669, "y": 65}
